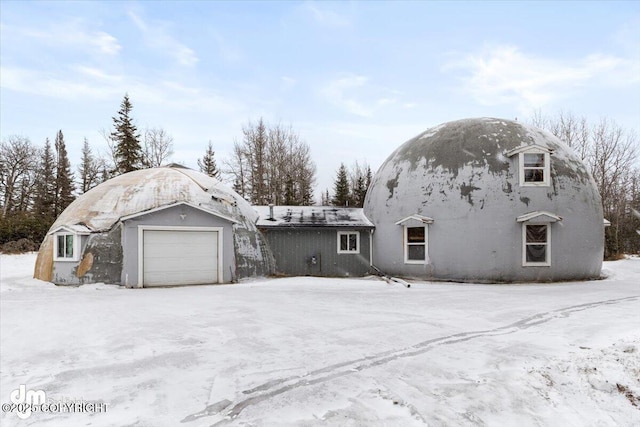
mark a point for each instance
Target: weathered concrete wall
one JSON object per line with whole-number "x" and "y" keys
{"x": 103, "y": 255}
{"x": 295, "y": 248}
{"x": 253, "y": 255}
{"x": 170, "y": 217}
{"x": 458, "y": 174}
{"x": 100, "y": 261}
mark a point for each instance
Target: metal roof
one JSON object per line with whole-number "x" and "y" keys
{"x": 311, "y": 216}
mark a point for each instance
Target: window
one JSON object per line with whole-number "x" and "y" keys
{"x": 348, "y": 242}
{"x": 65, "y": 247}
{"x": 415, "y": 250}
{"x": 536, "y": 245}
{"x": 534, "y": 168}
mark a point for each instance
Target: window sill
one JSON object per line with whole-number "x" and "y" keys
{"x": 535, "y": 184}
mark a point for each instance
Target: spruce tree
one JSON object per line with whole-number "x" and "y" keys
{"x": 45, "y": 192}
{"x": 208, "y": 163}
{"x": 368, "y": 177}
{"x": 128, "y": 150}
{"x": 359, "y": 192}
{"x": 341, "y": 188}
{"x": 64, "y": 177}
{"x": 89, "y": 169}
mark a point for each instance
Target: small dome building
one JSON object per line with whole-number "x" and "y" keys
{"x": 155, "y": 227}
{"x": 486, "y": 200}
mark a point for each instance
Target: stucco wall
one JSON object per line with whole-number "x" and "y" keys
{"x": 295, "y": 248}
{"x": 459, "y": 175}
{"x": 170, "y": 218}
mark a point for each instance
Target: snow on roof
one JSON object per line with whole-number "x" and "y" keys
{"x": 143, "y": 190}
{"x": 311, "y": 216}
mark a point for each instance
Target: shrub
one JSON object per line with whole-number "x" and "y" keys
{"x": 19, "y": 246}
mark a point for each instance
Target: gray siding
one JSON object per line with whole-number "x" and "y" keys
{"x": 170, "y": 217}
{"x": 295, "y": 250}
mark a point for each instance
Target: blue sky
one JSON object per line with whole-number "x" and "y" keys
{"x": 355, "y": 79}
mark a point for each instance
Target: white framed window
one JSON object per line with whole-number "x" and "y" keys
{"x": 534, "y": 168}
{"x": 66, "y": 247}
{"x": 415, "y": 245}
{"x": 348, "y": 242}
{"x": 536, "y": 245}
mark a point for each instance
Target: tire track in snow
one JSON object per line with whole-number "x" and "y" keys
{"x": 226, "y": 410}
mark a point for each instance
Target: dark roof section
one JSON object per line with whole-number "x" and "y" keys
{"x": 311, "y": 216}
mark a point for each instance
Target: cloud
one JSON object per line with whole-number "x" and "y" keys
{"x": 506, "y": 75}
{"x": 326, "y": 17}
{"x": 38, "y": 83}
{"x": 88, "y": 83}
{"x": 356, "y": 95}
{"x": 336, "y": 91}
{"x": 68, "y": 34}
{"x": 157, "y": 37}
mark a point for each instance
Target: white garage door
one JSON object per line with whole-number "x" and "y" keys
{"x": 179, "y": 257}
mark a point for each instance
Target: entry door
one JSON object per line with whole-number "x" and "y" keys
{"x": 172, "y": 257}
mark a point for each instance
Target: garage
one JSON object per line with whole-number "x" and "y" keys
{"x": 172, "y": 257}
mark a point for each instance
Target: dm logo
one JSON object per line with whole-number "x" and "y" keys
{"x": 26, "y": 399}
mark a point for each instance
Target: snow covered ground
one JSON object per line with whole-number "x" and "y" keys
{"x": 311, "y": 352}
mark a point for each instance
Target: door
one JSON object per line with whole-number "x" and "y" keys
{"x": 173, "y": 257}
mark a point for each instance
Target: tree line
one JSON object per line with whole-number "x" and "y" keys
{"x": 272, "y": 164}
{"x": 37, "y": 182}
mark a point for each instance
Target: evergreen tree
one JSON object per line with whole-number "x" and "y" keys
{"x": 64, "y": 177}
{"x": 368, "y": 177}
{"x": 128, "y": 153}
{"x": 89, "y": 169}
{"x": 208, "y": 163}
{"x": 45, "y": 192}
{"x": 359, "y": 192}
{"x": 341, "y": 188}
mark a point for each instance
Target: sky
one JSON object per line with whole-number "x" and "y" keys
{"x": 354, "y": 79}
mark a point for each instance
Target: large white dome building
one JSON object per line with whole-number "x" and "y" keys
{"x": 486, "y": 200}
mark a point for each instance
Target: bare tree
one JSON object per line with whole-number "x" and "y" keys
{"x": 237, "y": 170}
{"x": 18, "y": 158}
{"x": 110, "y": 161}
{"x": 272, "y": 164}
{"x": 573, "y": 131}
{"x": 158, "y": 147}
{"x": 611, "y": 153}
{"x": 359, "y": 176}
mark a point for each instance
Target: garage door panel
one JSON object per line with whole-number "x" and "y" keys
{"x": 172, "y": 257}
{"x": 178, "y": 278}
